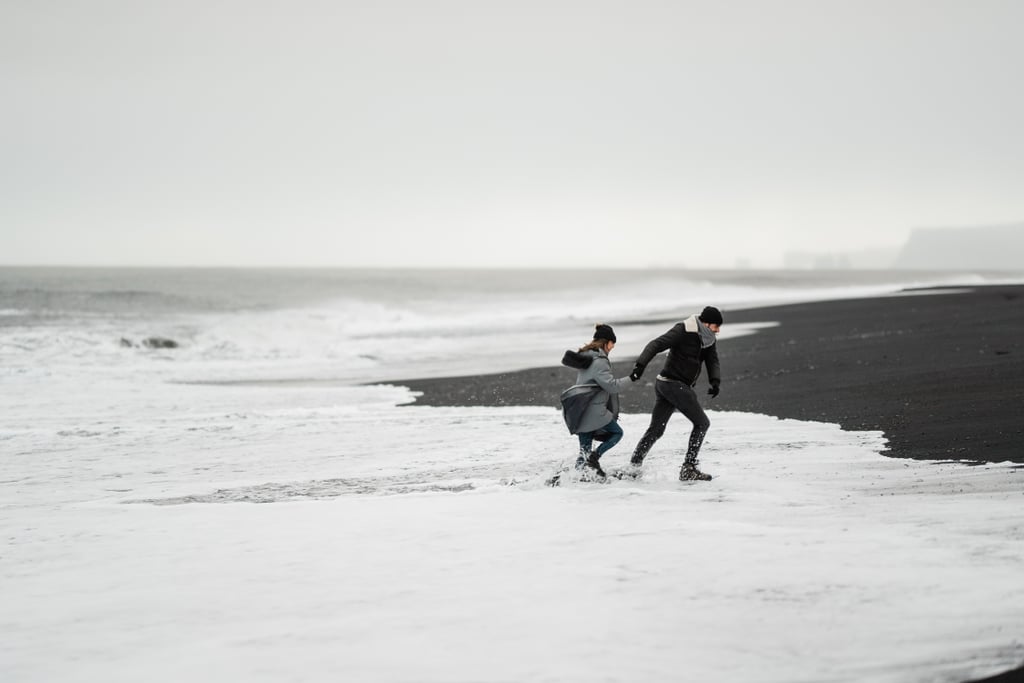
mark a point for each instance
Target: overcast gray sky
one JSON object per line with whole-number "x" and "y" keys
{"x": 485, "y": 133}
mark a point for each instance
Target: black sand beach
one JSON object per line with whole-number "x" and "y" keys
{"x": 940, "y": 372}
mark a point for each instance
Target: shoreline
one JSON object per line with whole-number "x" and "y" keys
{"x": 941, "y": 375}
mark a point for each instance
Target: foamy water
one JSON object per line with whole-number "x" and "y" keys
{"x": 321, "y": 531}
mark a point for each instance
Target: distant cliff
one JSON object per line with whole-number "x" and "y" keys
{"x": 997, "y": 247}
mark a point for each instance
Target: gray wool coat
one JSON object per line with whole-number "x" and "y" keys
{"x": 604, "y": 406}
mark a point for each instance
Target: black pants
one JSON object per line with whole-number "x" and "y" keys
{"x": 673, "y": 396}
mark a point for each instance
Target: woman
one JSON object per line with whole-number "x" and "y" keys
{"x": 592, "y": 405}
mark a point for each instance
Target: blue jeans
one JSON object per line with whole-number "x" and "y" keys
{"x": 610, "y": 434}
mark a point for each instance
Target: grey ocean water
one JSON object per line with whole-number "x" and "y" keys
{"x": 156, "y": 290}
{"x": 363, "y": 325}
{"x": 30, "y": 294}
{"x": 359, "y": 325}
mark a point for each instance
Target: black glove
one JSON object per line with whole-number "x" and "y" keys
{"x": 713, "y": 391}
{"x": 638, "y": 371}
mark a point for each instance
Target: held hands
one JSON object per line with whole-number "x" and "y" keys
{"x": 638, "y": 371}
{"x": 713, "y": 391}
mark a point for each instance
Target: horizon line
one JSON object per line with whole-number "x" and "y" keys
{"x": 652, "y": 267}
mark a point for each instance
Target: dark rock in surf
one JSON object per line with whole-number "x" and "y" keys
{"x": 149, "y": 343}
{"x": 159, "y": 343}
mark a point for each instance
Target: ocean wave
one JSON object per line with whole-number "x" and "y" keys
{"x": 416, "y": 325}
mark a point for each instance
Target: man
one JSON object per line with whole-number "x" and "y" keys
{"x": 690, "y": 344}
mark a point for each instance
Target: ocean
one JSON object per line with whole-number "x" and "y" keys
{"x": 218, "y": 475}
{"x": 358, "y": 326}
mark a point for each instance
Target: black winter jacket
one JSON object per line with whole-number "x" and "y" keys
{"x": 685, "y": 354}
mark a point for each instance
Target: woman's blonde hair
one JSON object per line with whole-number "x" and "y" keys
{"x": 596, "y": 344}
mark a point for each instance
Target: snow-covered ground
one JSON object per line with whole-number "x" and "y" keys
{"x": 319, "y": 533}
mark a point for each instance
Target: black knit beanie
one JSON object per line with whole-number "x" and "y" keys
{"x": 604, "y": 332}
{"x": 711, "y": 316}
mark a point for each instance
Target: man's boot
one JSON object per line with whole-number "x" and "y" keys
{"x": 689, "y": 472}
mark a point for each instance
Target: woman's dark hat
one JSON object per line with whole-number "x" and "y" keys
{"x": 711, "y": 316}
{"x": 604, "y": 332}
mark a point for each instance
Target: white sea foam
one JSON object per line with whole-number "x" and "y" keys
{"x": 217, "y": 533}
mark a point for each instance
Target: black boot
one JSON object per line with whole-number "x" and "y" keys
{"x": 594, "y": 464}
{"x": 689, "y": 472}
{"x": 581, "y": 459}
